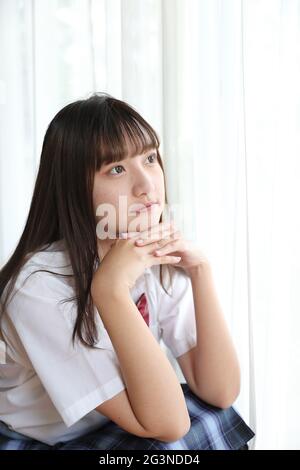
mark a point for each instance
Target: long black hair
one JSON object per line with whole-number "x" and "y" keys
{"x": 81, "y": 137}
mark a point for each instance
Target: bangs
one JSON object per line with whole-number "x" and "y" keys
{"x": 124, "y": 135}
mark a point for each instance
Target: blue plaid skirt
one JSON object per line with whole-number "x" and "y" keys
{"x": 211, "y": 428}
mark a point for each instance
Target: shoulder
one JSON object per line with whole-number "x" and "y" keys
{"x": 45, "y": 277}
{"x": 54, "y": 256}
{"x": 34, "y": 302}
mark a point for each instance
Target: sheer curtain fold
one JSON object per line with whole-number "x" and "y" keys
{"x": 220, "y": 83}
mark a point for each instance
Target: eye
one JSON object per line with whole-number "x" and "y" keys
{"x": 118, "y": 166}
{"x": 154, "y": 156}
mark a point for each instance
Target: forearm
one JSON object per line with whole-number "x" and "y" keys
{"x": 153, "y": 388}
{"x": 215, "y": 362}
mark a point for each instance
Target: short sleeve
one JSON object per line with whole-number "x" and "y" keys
{"x": 77, "y": 378}
{"x": 176, "y": 315}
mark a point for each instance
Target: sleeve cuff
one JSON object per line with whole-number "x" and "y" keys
{"x": 184, "y": 345}
{"x": 79, "y": 409}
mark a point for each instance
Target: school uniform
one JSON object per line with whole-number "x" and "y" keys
{"x": 50, "y": 389}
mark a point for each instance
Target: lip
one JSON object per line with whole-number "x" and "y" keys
{"x": 147, "y": 206}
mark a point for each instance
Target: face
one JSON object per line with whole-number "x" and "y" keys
{"x": 120, "y": 188}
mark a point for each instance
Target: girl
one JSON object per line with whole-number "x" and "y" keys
{"x": 84, "y": 304}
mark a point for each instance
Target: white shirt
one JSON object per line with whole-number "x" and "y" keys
{"x": 49, "y": 390}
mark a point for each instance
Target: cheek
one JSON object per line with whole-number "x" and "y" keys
{"x": 103, "y": 196}
{"x": 160, "y": 184}
{"x": 97, "y": 197}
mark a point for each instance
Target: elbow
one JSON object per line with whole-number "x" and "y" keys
{"x": 220, "y": 399}
{"x": 225, "y": 404}
{"x": 230, "y": 393}
{"x": 223, "y": 398}
{"x": 228, "y": 399}
{"x": 174, "y": 435}
{"x": 182, "y": 431}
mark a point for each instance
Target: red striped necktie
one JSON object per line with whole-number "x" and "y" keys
{"x": 142, "y": 305}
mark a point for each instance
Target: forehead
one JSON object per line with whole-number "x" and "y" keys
{"x": 131, "y": 150}
{"x": 137, "y": 147}
{"x": 124, "y": 144}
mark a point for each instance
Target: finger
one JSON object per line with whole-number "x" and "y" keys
{"x": 172, "y": 246}
{"x": 159, "y": 241}
{"x": 166, "y": 260}
{"x": 154, "y": 235}
{"x": 154, "y": 230}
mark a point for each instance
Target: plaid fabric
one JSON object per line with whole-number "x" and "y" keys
{"x": 211, "y": 429}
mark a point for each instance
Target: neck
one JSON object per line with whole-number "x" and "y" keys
{"x": 104, "y": 246}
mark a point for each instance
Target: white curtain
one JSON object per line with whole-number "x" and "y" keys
{"x": 219, "y": 80}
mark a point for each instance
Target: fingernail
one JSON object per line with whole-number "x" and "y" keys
{"x": 123, "y": 235}
{"x": 140, "y": 241}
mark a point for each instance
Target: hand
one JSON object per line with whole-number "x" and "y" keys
{"x": 125, "y": 262}
{"x": 174, "y": 244}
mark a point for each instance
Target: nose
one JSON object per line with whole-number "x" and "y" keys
{"x": 143, "y": 183}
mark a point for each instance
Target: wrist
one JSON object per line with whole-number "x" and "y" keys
{"x": 199, "y": 270}
{"x": 104, "y": 292}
